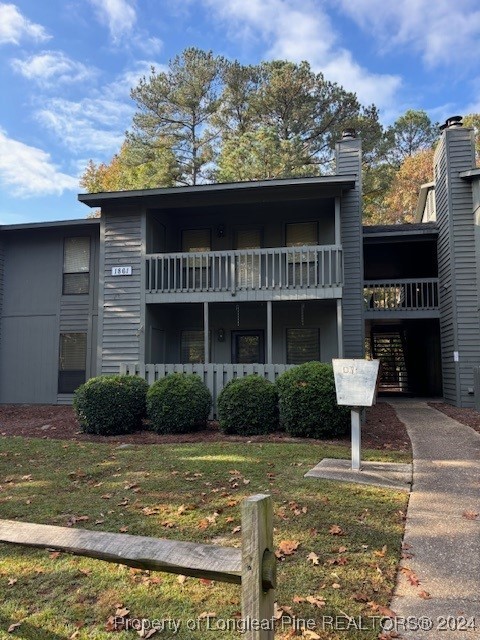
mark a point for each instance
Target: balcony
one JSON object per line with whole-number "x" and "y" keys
{"x": 285, "y": 273}
{"x": 403, "y": 298}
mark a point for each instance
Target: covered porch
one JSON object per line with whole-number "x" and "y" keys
{"x": 263, "y": 332}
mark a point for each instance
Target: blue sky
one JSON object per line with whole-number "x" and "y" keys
{"x": 66, "y": 68}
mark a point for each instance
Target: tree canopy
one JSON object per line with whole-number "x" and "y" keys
{"x": 207, "y": 119}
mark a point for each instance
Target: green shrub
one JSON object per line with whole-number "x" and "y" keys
{"x": 307, "y": 401}
{"x": 178, "y": 403}
{"x": 248, "y": 406}
{"x": 110, "y": 405}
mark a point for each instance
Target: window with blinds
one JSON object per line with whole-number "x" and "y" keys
{"x": 76, "y": 266}
{"x": 248, "y": 265}
{"x": 72, "y": 361}
{"x": 301, "y": 234}
{"x": 196, "y": 240}
{"x": 248, "y": 239}
{"x": 192, "y": 347}
{"x": 303, "y": 345}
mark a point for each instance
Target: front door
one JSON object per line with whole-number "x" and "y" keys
{"x": 247, "y": 347}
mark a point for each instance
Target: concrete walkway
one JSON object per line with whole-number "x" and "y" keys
{"x": 442, "y": 535}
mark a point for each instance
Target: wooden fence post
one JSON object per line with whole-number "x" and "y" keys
{"x": 258, "y": 568}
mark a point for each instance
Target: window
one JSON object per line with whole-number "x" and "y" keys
{"x": 302, "y": 270}
{"x": 248, "y": 265}
{"x": 196, "y": 240}
{"x": 76, "y": 266}
{"x": 192, "y": 347}
{"x": 72, "y": 362}
{"x": 301, "y": 234}
{"x": 303, "y": 345}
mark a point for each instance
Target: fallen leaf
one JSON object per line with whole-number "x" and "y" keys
{"x": 13, "y": 626}
{"x": 286, "y": 548}
{"x": 381, "y": 553}
{"x": 335, "y": 585}
{"x": 470, "y": 515}
{"x": 144, "y": 633}
{"x": 335, "y": 530}
{"x": 236, "y": 529}
{"x": 207, "y": 614}
{"x": 411, "y": 576}
{"x": 12, "y": 581}
{"x": 424, "y": 595}
{"x": 181, "y": 579}
{"x": 310, "y": 635}
{"x": 313, "y": 558}
{"x": 317, "y": 602}
{"x": 122, "y": 612}
{"x": 123, "y": 529}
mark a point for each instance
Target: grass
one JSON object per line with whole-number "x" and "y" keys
{"x": 174, "y": 491}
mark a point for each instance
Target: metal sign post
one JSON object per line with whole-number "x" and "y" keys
{"x": 356, "y": 385}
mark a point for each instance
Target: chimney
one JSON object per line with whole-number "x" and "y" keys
{"x": 453, "y": 121}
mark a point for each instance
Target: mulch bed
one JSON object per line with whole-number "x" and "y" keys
{"x": 469, "y": 417}
{"x": 382, "y": 430}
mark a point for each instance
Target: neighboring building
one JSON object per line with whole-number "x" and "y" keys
{"x": 244, "y": 277}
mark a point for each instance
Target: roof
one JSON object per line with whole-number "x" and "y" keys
{"x": 257, "y": 187}
{"x": 408, "y": 230}
{"x": 53, "y": 223}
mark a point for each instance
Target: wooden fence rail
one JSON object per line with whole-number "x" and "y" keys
{"x": 253, "y": 566}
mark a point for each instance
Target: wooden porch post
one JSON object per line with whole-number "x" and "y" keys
{"x": 206, "y": 333}
{"x": 269, "y": 333}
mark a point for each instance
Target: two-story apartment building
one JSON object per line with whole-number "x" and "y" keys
{"x": 226, "y": 279}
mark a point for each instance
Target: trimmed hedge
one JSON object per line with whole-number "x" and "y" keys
{"x": 307, "y": 401}
{"x": 178, "y": 403}
{"x": 248, "y": 406}
{"x": 111, "y": 405}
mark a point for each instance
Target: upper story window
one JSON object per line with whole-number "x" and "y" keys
{"x": 196, "y": 240}
{"x": 301, "y": 234}
{"x": 76, "y": 266}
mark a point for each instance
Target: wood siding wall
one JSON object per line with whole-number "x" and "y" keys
{"x": 459, "y": 319}
{"x": 121, "y": 330}
{"x": 349, "y": 159}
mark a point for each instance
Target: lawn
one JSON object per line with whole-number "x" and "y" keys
{"x": 191, "y": 492}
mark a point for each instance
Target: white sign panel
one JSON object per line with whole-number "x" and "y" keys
{"x": 121, "y": 271}
{"x": 355, "y": 381}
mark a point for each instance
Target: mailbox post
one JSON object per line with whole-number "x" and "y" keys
{"x": 356, "y": 386}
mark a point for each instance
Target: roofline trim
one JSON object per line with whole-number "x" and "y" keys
{"x": 53, "y": 223}
{"x": 95, "y": 199}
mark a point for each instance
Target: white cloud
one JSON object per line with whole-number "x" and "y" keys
{"x": 14, "y": 27}
{"x": 50, "y": 68}
{"x": 118, "y": 15}
{"x": 95, "y": 125}
{"x": 304, "y": 32}
{"x": 444, "y": 32}
{"x": 28, "y": 171}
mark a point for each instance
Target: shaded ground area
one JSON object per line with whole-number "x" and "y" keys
{"x": 469, "y": 417}
{"x": 382, "y": 430}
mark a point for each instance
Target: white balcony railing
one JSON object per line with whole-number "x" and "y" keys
{"x": 310, "y": 267}
{"x": 395, "y": 295}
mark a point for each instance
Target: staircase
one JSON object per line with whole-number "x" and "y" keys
{"x": 389, "y": 347}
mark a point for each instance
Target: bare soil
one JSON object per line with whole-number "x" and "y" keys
{"x": 382, "y": 430}
{"x": 469, "y": 417}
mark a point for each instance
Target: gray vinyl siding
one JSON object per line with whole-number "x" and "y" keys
{"x": 459, "y": 320}
{"x": 349, "y": 162}
{"x": 35, "y": 311}
{"x": 122, "y": 330}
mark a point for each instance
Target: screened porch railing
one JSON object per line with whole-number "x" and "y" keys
{"x": 407, "y": 294}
